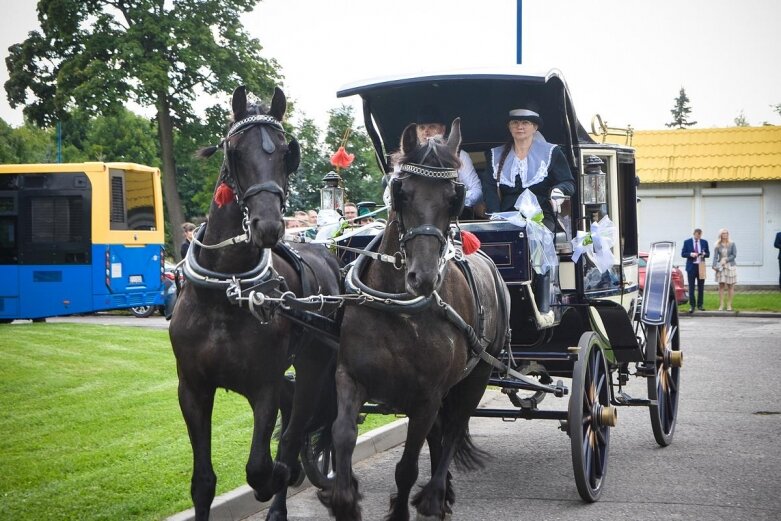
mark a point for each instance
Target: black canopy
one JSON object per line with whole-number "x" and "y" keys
{"x": 481, "y": 100}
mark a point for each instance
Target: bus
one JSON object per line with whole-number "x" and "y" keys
{"x": 79, "y": 238}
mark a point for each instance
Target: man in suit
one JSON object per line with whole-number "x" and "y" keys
{"x": 695, "y": 251}
{"x": 777, "y": 244}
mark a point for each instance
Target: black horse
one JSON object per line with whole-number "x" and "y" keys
{"x": 413, "y": 343}
{"x": 220, "y": 344}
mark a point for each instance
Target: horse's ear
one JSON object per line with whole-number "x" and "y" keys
{"x": 293, "y": 156}
{"x": 409, "y": 139}
{"x": 278, "y": 104}
{"x": 454, "y": 140}
{"x": 239, "y": 103}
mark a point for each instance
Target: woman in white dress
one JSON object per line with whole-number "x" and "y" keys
{"x": 724, "y": 264}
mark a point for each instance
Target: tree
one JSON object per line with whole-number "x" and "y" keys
{"x": 741, "y": 121}
{"x": 305, "y": 184}
{"x": 99, "y": 54}
{"x": 681, "y": 112}
{"x": 777, "y": 108}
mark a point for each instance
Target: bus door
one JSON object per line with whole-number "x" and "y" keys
{"x": 9, "y": 271}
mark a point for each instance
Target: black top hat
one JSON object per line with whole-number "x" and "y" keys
{"x": 525, "y": 115}
{"x": 429, "y": 114}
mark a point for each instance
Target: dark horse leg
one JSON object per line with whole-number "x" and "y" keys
{"x": 342, "y": 499}
{"x": 278, "y": 509}
{"x": 260, "y": 468}
{"x": 407, "y": 468}
{"x": 437, "y": 496}
{"x": 197, "y": 403}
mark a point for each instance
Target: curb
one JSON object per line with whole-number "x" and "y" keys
{"x": 240, "y": 503}
{"x": 739, "y": 314}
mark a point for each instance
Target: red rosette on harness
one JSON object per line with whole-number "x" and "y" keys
{"x": 223, "y": 195}
{"x": 469, "y": 242}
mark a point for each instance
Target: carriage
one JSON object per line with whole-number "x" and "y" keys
{"x": 601, "y": 333}
{"x": 605, "y": 331}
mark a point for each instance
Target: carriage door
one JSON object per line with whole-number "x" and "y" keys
{"x": 603, "y": 204}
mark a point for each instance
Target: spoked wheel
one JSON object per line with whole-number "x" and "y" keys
{"x": 663, "y": 351}
{"x": 590, "y": 417}
{"x": 317, "y": 458}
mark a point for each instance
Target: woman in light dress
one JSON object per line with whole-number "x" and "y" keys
{"x": 724, "y": 264}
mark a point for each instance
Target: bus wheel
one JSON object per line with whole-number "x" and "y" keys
{"x": 142, "y": 311}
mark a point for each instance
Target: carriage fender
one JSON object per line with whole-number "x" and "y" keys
{"x": 658, "y": 283}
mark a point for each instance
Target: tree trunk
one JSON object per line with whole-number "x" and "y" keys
{"x": 173, "y": 205}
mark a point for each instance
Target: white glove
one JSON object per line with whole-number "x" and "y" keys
{"x": 556, "y": 199}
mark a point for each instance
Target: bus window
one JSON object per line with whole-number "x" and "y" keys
{"x": 56, "y": 230}
{"x": 132, "y": 200}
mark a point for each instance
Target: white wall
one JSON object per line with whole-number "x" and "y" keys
{"x": 751, "y": 212}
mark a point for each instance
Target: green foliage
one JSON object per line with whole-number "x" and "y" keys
{"x": 99, "y": 54}
{"x": 26, "y": 144}
{"x": 741, "y": 121}
{"x": 681, "y": 111}
{"x": 362, "y": 180}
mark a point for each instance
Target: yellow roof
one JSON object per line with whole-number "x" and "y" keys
{"x": 698, "y": 155}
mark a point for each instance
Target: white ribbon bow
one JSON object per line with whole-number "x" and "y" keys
{"x": 596, "y": 244}
{"x": 529, "y": 216}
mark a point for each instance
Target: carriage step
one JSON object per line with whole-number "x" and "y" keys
{"x": 645, "y": 370}
{"x": 625, "y": 399}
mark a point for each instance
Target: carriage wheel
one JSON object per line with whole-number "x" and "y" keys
{"x": 663, "y": 351}
{"x": 317, "y": 460}
{"x": 590, "y": 417}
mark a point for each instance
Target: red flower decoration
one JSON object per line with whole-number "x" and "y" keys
{"x": 224, "y": 195}
{"x": 341, "y": 159}
{"x": 469, "y": 242}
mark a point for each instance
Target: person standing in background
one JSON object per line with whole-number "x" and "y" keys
{"x": 725, "y": 252}
{"x": 695, "y": 251}
{"x": 187, "y": 231}
{"x": 777, "y": 244}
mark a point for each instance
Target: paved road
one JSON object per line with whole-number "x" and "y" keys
{"x": 725, "y": 462}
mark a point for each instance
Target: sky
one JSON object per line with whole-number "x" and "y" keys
{"x": 623, "y": 59}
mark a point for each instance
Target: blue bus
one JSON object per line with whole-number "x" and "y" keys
{"x": 79, "y": 238}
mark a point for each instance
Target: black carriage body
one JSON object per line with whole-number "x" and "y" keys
{"x": 482, "y": 101}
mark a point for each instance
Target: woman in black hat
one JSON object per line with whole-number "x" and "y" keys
{"x": 528, "y": 161}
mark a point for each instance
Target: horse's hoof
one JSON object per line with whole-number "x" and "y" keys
{"x": 297, "y": 476}
{"x": 276, "y": 515}
{"x": 263, "y": 495}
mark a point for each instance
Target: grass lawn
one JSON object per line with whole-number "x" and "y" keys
{"x": 90, "y": 426}
{"x": 743, "y": 301}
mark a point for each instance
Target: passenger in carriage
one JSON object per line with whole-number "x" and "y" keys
{"x": 527, "y": 160}
{"x": 430, "y": 123}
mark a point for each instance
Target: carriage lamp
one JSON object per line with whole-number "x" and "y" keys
{"x": 332, "y": 193}
{"x": 593, "y": 182}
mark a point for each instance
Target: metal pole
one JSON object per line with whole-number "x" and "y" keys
{"x": 519, "y": 14}
{"x": 59, "y": 141}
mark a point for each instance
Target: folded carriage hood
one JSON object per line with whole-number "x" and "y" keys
{"x": 481, "y": 99}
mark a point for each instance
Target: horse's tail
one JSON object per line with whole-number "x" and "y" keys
{"x": 469, "y": 456}
{"x": 326, "y": 410}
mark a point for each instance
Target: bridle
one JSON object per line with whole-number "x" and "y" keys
{"x": 447, "y": 249}
{"x": 229, "y": 171}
